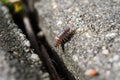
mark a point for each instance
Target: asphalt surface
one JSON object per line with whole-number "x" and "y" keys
{"x": 17, "y": 59}
{"x": 96, "y": 44}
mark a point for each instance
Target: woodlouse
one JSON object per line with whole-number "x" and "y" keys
{"x": 64, "y": 36}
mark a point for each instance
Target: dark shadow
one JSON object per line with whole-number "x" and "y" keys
{"x": 60, "y": 67}
{"x": 33, "y": 17}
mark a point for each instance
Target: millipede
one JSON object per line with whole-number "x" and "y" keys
{"x": 64, "y": 36}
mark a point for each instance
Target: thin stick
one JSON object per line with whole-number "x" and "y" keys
{"x": 40, "y": 50}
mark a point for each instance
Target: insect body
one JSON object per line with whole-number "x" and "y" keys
{"x": 64, "y": 36}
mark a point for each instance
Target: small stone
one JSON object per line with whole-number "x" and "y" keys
{"x": 22, "y": 36}
{"x": 59, "y": 22}
{"x": 34, "y": 57}
{"x": 54, "y": 4}
{"x": 26, "y": 43}
{"x": 45, "y": 75}
{"x": 16, "y": 54}
{"x": 105, "y": 50}
{"x": 75, "y": 57}
{"x": 108, "y": 73}
{"x": 111, "y": 35}
{"x": 91, "y": 73}
{"x": 21, "y": 61}
{"x": 88, "y": 35}
{"x": 116, "y": 58}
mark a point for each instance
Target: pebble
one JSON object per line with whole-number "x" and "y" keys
{"x": 54, "y": 5}
{"x": 26, "y": 43}
{"x": 16, "y": 54}
{"x": 91, "y": 73}
{"x": 75, "y": 57}
{"x": 108, "y": 73}
{"x": 34, "y": 57}
{"x": 111, "y": 35}
{"x": 105, "y": 50}
{"x": 88, "y": 35}
{"x": 116, "y": 58}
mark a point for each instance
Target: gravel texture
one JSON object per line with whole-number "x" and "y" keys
{"x": 96, "y": 44}
{"x": 17, "y": 59}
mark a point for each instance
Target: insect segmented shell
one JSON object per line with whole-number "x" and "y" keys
{"x": 63, "y": 36}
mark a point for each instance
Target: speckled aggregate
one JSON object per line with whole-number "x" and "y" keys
{"x": 98, "y": 47}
